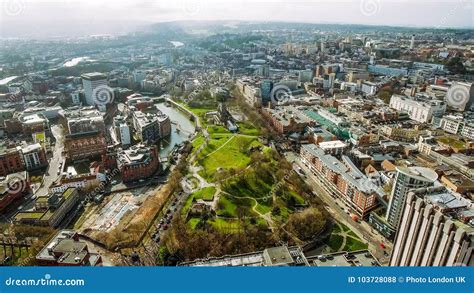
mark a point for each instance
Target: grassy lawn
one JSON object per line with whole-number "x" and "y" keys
{"x": 231, "y": 155}
{"x": 187, "y": 205}
{"x": 298, "y": 199}
{"x": 335, "y": 242}
{"x": 197, "y": 142}
{"x": 217, "y": 129}
{"x": 249, "y": 185}
{"x": 206, "y": 194}
{"x": 227, "y": 208}
{"x": 351, "y": 233}
{"x": 248, "y": 129}
{"x": 263, "y": 209}
{"x": 354, "y": 245}
{"x": 216, "y": 141}
{"x": 336, "y": 229}
{"x": 193, "y": 222}
{"x": 225, "y": 225}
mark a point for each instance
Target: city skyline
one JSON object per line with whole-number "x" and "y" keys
{"x": 25, "y": 18}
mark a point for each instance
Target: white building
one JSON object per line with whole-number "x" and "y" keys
{"x": 458, "y": 125}
{"x": 124, "y": 131}
{"x": 419, "y": 109}
{"x": 33, "y": 156}
{"x": 90, "y": 82}
{"x": 406, "y": 180}
{"x": 435, "y": 230}
{"x": 368, "y": 88}
{"x": 335, "y": 147}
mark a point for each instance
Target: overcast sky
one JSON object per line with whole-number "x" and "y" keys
{"x": 78, "y": 17}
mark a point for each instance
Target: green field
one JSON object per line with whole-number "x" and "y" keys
{"x": 335, "y": 242}
{"x": 225, "y": 151}
{"x": 352, "y": 241}
{"x": 248, "y": 129}
{"x": 206, "y": 194}
{"x": 354, "y": 245}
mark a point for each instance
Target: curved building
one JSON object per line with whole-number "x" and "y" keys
{"x": 406, "y": 180}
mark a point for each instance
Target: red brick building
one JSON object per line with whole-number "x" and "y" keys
{"x": 85, "y": 145}
{"x": 347, "y": 183}
{"x": 11, "y": 161}
{"x": 287, "y": 119}
{"x": 13, "y": 188}
{"x": 138, "y": 162}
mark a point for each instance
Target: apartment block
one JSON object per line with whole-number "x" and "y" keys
{"x": 436, "y": 229}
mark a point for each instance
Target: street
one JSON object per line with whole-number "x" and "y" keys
{"x": 55, "y": 163}
{"x": 337, "y": 210}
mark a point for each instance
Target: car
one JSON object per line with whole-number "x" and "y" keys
{"x": 141, "y": 180}
{"x": 162, "y": 221}
{"x": 113, "y": 182}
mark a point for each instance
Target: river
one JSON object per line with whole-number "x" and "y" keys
{"x": 177, "y": 118}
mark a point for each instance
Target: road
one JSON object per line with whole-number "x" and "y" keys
{"x": 336, "y": 209}
{"x": 55, "y": 163}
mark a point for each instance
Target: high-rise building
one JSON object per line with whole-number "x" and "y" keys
{"x": 436, "y": 230}
{"x": 90, "y": 82}
{"x": 266, "y": 89}
{"x": 406, "y": 180}
{"x": 412, "y": 42}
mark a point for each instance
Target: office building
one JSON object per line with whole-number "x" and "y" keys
{"x": 418, "y": 108}
{"x": 90, "y": 82}
{"x": 407, "y": 179}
